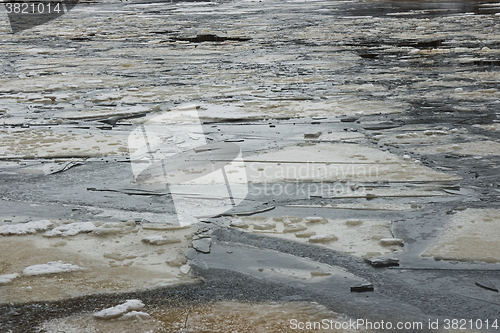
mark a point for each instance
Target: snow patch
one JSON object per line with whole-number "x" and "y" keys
{"x": 71, "y": 229}
{"x": 130, "y": 305}
{"x": 52, "y": 267}
{"x": 25, "y": 228}
{"x": 7, "y": 278}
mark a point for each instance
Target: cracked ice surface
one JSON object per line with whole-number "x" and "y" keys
{"x": 77, "y": 86}
{"x": 471, "y": 235}
{"x": 94, "y": 257}
{"x": 359, "y": 237}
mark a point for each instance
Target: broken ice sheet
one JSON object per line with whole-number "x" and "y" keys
{"x": 474, "y": 148}
{"x": 334, "y": 162}
{"x": 359, "y": 237}
{"x": 74, "y": 81}
{"x": 470, "y": 235}
{"x": 70, "y": 229}
{"x": 330, "y": 107}
{"x": 112, "y": 253}
{"x": 364, "y": 206}
{"x": 52, "y": 143}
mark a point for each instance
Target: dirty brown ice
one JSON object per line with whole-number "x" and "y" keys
{"x": 251, "y": 166}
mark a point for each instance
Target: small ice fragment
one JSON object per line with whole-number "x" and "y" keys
{"x": 459, "y": 90}
{"x": 264, "y": 226}
{"x": 7, "y": 278}
{"x": 316, "y": 219}
{"x": 52, "y": 267}
{"x": 322, "y": 238}
{"x": 202, "y": 245}
{"x": 133, "y": 305}
{"x": 188, "y": 107}
{"x": 120, "y": 310}
{"x": 353, "y": 222}
{"x": 391, "y": 241}
{"x": 111, "y": 313}
{"x": 160, "y": 240}
{"x": 305, "y": 234}
{"x": 185, "y": 269}
{"x": 113, "y": 228}
{"x": 294, "y": 228}
{"x": 135, "y": 315}
{"x": 406, "y": 157}
{"x": 288, "y": 219}
{"x": 238, "y": 224}
{"x": 25, "y": 228}
{"x": 71, "y": 229}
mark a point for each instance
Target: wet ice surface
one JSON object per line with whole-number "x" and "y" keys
{"x": 212, "y": 317}
{"x": 368, "y": 129}
{"x": 80, "y": 258}
{"x": 471, "y": 235}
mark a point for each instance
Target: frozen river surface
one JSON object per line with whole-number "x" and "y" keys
{"x": 351, "y": 135}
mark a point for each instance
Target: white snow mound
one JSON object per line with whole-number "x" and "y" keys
{"x": 52, "y": 267}
{"x": 7, "y": 278}
{"x": 135, "y": 315}
{"x": 71, "y": 229}
{"x": 25, "y": 228}
{"x": 121, "y": 309}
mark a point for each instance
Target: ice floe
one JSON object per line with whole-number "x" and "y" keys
{"x": 70, "y": 229}
{"x": 120, "y": 310}
{"x": 7, "y": 278}
{"x": 336, "y": 162}
{"x": 470, "y": 235}
{"x": 160, "y": 240}
{"x": 360, "y": 237}
{"x": 474, "y": 148}
{"x": 25, "y": 228}
{"x": 52, "y": 267}
{"x": 97, "y": 251}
